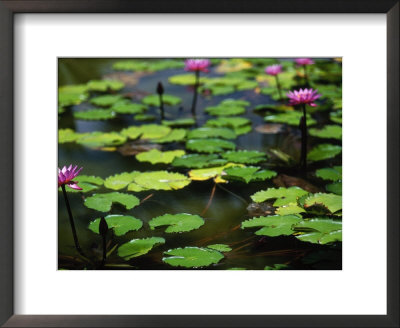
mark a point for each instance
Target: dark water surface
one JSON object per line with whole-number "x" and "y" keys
{"x": 228, "y": 208}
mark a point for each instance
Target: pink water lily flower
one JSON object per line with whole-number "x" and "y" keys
{"x": 304, "y": 61}
{"x": 306, "y": 96}
{"x": 273, "y": 70}
{"x": 65, "y": 176}
{"x": 193, "y": 65}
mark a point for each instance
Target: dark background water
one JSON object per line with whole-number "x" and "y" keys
{"x": 228, "y": 208}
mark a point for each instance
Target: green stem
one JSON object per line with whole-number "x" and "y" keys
{"x": 303, "y": 127}
{"x": 161, "y": 106}
{"x": 305, "y": 75}
{"x": 71, "y": 221}
{"x": 278, "y": 85}
{"x": 196, "y": 86}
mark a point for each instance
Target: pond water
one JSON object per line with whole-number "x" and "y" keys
{"x": 223, "y": 206}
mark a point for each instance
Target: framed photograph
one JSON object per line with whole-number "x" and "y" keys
{"x": 216, "y": 165}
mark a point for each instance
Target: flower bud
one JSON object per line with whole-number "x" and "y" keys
{"x": 160, "y": 88}
{"x": 103, "y": 227}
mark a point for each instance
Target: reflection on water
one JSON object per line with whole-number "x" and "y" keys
{"x": 228, "y": 207}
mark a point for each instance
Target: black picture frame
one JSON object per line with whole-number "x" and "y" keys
{"x": 10, "y": 7}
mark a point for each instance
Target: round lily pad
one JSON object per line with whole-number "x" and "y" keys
{"x": 283, "y": 196}
{"x": 154, "y": 100}
{"x": 162, "y": 180}
{"x": 198, "y": 161}
{"x": 192, "y": 257}
{"x": 220, "y": 247}
{"x": 106, "y": 100}
{"x": 155, "y": 156}
{"x": 177, "y": 222}
{"x": 209, "y": 132}
{"x": 209, "y": 145}
{"x": 101, "y": 139}
{"x": 138, "y": 247}
{"x": 103, "y": 202}
{"x": 121, "y": 224}
{"x": 245, "y": 156}
{"x": 95, "y": 114}
{"x": 323, "y": 151}
{"x": 274, "y": 225}
{"x": 248, "y": 174}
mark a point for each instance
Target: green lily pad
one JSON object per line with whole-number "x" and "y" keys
{"x": 327, "y": 132}
{"x": 185, "y": 79}
{"x": 121, "y": 224}
{"x": 239, "y": 125}
{"x": 247, "y": 85}
{"x": 277, "y": 267}
{"x": 192, "y": 257}
{"x": 283, "y": 196}
{"x": 103, "y": 202}
{"x": 335, "y": 188}
{"x": 104, "y": 85}
{"x": 121, "y": 180}
{"x": 291, "y": 208}
{"x": 209, "y": 145}
{"x": 174, "y": 136}
{"x": 225, "y": 110}
{"x": 67, "y": 135}
{"x": 162, "y": 180}
{"x": 138, "y": 247}
{"x": 87, "y": 183}
{"x": 323, "y": 151}
{"x": 69, "y": 95}
{"x": 206, "y": 132}
{"x": 177, "y": 222}
{"x": 219, "y": 90}
{"x": 101, "y": 139}
{"x": 193, "y": 161}
{"x": 268, "y": 107}
{"x": 220, "y": 247}
{"x": 336, "y": 116}
{"x": 245, "y": 156}
{"x": 247, "y": 174}
{"x": 127, "y": 107}
{"x": 208, "y": 173}
{"x": 147, "y": 65}
{"x": 106, "y": 100}
{"x": 145, "y": 117}
{"x": 180, "y": 122}
{"x": 146, "y": 131}
{"x": 331, "y": 201}
{"x": 154, "y": 100}
{"x": 155, "y": 156}
{"x": 319, "y": 230}
{"x": 274, "y": 225}
{"x": 332, "y": 174}
{"x": 95, "y": 114}
{"x": 290, "y": 118}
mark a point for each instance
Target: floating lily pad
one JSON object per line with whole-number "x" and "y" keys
{"x": 180, "y": 122}
{"x": 185, "y": 79}
{"x": 327, "y": 132}
{"x": 138, "y": 247}
{"x": 101, "y": 139}
{"x": 146, "y": 65}
{"x": 319, "y": 230}
{"x": 145, "y": 117}
{"x": 67, "y": 135}
{"x": 290, "y": 118}
{"x": 283, "y": 196}
{"x": 146, "y": 131}
{"x": 69, "y": 95}
{"x": 192, "y": 257}
{"x": 277, "y": 267}
{"x": 198, "y": 161}
{"x": 106, "y": 100}
{"x": 247, "y": 85}
{"x": 87, "y": 183}
{"x": 219, "y": 90}
{"x": 120, "y": 181}
{"x": 335, "y": 188}
{"x": 291, "y": 208}
{"x": 127, "y": 107}
{"x": 331, "y": 201}
{"x": 177, "y": 222}
{"x": 121, "y": 224}
{"x": 220, "y": 247}
{"x": 323, "y": 151}
{"x": 174, "y": 136}
{"x": 155, "y": 156}
{"x": 208, "y": 173}
{"x": 209, "y": 145}
{"x": 274, "y": 225}
{"x": 104, "y": 85}
{"x": 103, "y": 202}
{"x": 162, "y": 180}
{"x": 336, "y": 116}
{"x": 331, "y": 174}
{"x": 238, "y": 124}
{"x": 245, "y": 156}
{"x": 268, "y": 107}
{"x": 206, "y": 132}
{"x": 248, "y": 174}
{"x": 154, "y": 100}
{"x": 95, "y": 114}
{"x": 225, "y": 110}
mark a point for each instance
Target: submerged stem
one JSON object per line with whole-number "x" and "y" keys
{"x": 303, "y": 128}
{"x": 71, "y": 221}
{"x": 161, "y": 106}
{"x": 233, "y": 194}
{"x": 210, "y": 200}
{"x": 196, "y": 86}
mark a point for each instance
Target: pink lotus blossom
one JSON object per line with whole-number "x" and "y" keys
{"x": 306, "y": 96}
{"x": 304, "y": 61}
{"x": 193, "y": 65}
{"x": 273, "y": 70}
{"x": 65, "y": 176}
